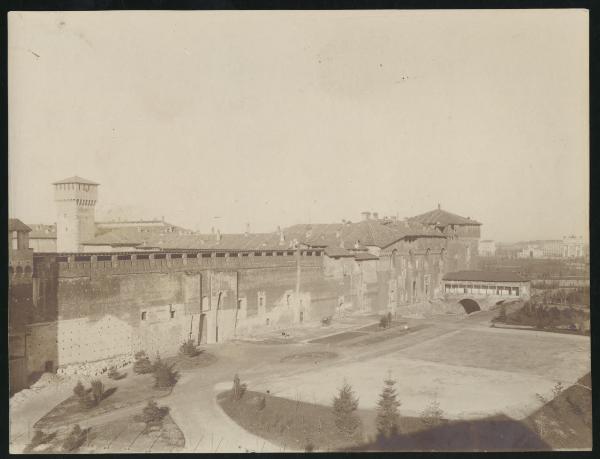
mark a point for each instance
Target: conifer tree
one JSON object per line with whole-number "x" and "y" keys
{"x": 388, "y": 416}
{"x": 344, "y": 406}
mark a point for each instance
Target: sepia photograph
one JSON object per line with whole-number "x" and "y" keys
{"x": 298, "y": 231}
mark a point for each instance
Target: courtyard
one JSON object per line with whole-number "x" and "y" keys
{"x": 445, "y": 359}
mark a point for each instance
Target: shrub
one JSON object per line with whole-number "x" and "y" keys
{"x": 432, "y": 415}
{"x": 238, "y": 390}
{"x": 142, "y": 364}
{"x": 189, "y": 349}
{"x": 79, "y": 390}
{"x": 164, "y": 375}
{"x": 388, "y": 416}
{"x": 75, "y": 439}
{"x": 153, "y": 415}
{"x": 344, "y": 406}
{"x": 97, "y": 391}
{"x": 309, "y": 447}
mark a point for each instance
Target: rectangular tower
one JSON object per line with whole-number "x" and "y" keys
{"x": 75, "y": 220}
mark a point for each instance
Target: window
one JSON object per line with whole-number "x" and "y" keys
{"x": 232, "y": 254}
{"x": 261, "y": 301}
{"x": 143, "y": 315}
{"x": 220, "y": 254}
{"x": 239, "y": 304}
{"x": 172, "y": 313}
{"x": 258, "y": 254}
{"x": 269, "y": 254}
{"x": 287, "y": 299}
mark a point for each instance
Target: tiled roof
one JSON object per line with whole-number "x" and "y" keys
{"x": 14, "y": 224}
{"x": 40, "y": 231}
{"x": 366, "y": 232}
{"x": 485, "y": 276}
{"x": 443, "y": 218}
{"x": 76, "y": 179}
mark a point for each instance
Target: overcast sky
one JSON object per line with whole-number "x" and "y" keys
{"x": 222, "y": 118}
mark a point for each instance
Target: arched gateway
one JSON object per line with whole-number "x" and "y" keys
{"x": 470, "y": 305}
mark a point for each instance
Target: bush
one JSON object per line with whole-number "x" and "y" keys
{"x": 388, "y": 417}
{"x": 142, "y": 364}
{"x": 75, "y": 439}
{"x": 164, "y": 375}
{"x": 189, "y": 349}
{"x": 153, "y": 415}
{"x": 238, "y": 390}
{"x": 344, "y": 406}
{"x": 79, "y": 390}
{"x": 309, "y": 447}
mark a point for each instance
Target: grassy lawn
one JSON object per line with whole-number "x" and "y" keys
{"x": 295, "y": 424}
{"x": 125, "y": 434}
{"x": 288, "y": 423}
{"x": 120, "y": 394}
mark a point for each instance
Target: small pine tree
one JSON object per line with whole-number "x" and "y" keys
{"x": 388, "y": 416}
{"x": 238, "y": 390}
{"x": 97, "y": 391}
{"x": 344, "y": 406}
{"x": 164, "y": 375}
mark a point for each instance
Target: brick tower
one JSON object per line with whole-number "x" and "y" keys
{"x": 75, "y": 204}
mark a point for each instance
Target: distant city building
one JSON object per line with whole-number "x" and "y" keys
{"x": 573, "y": 247}
{"x": 487, "y": 248}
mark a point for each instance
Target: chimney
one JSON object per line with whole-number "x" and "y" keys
{"x": 212, "y": 229}
{"x": 247, "y": 229}
{"x": 394, "y": 218}
{"x": 366, "y": 215}
{"x": 218, "y": 235}
{"x": 439, "y": 206}
{"x": 376, "y": 215}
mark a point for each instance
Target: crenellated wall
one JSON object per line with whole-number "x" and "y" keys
{"x": 94, "y": 307}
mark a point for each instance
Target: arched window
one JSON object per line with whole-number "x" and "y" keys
{"x": 28, "y": 270}
{"x": 19, "y": 270}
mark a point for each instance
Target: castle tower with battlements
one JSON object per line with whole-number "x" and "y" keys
{"x": 75, "y": 205}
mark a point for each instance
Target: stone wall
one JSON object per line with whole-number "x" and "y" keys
{"x": 92, "y": 308}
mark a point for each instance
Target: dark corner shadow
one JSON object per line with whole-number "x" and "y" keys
{"x": 497, "y": 433}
